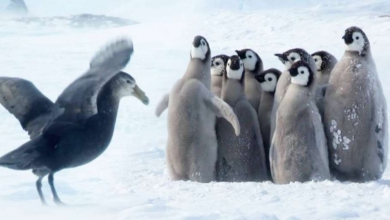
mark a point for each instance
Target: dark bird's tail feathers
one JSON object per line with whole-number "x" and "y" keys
{"x": 26, "y": 156}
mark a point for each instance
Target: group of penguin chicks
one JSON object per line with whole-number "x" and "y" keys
{"x": 319, "y": 119}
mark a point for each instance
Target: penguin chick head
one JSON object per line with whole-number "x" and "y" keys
{"x": 356, "y": 40}
{"x": 125, "y": 85}
{"x": 235, "y": 68}
{"x": 268, "y": 79}
{"x": 301, "y": 74}
{"x": 251, "y": 59}
{"x": 322, "y": 60}
{"x": 200, "y": 48}
{"x": 218, "y": 64}
{"x": 292, "y": 56}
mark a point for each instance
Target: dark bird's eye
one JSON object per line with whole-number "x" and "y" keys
{"x": 315, "y": 60}
{"x": 217, "y": 63}
{"x": 269, "y": 79}
{"x": 203, "y": 43}
{"x": 357, "y": 38}
{"x": 292, "y": 58}
{"x": 302, "y": 72}
{"x": 250, "y": 56}
{"x": 128, "y": 81}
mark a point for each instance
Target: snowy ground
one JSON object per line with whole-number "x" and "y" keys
{"x": 129, "y": 180}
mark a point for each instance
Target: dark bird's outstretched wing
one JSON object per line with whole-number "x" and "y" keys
{"x": 78, "y": 101}
{"x": 22, "y": 99}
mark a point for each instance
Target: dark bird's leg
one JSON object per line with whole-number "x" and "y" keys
{"x": 39, "y": 189}
{"x": 53, "y": 190}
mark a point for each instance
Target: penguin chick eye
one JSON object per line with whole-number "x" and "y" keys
{"x": 269, "y": 79}
{"x": 250, "y": 56}
{"x": 128, "y": 81}
{"x": 203, "y": 43}
{"x": 302, "y": 72}
{"x": 293, "y": 59}
{"x": 357, "y": 38}
{"x": 217, "y": 63}
{"x": 315, "y": 60}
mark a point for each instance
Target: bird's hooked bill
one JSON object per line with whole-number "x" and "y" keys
{"x": 139, "y": 94}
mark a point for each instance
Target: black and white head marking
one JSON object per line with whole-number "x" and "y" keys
{"x": 250, "y": 58}
{"x": 292, "y": 56}
{"x": 235, "y": 68}
{"x": 268, "y": 79}
{"x": 218, "y": 65}
{"x": 356, "y": 40}
{"x": 322, "y": 60}
{"x": 301, "y": 74}
{"x": 318, "y": 60}
{"x": 200, "y": 48}
{"x": 282, "y": 57}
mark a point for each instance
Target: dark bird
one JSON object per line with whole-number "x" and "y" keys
{"x": 78, "y": 127}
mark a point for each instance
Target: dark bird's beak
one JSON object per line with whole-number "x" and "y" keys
{"x": 139, "y": 94}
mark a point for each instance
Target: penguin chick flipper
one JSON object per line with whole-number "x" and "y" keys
{"x": 222, "y": 109}
{"x": 162, "y": 105}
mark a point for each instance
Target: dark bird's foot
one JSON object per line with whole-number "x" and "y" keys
{"x": 58, "y": 202}
{"x": 57, "y": 199}
{"x": 39, "y": 189}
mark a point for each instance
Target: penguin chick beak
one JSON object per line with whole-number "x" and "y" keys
{"x": 139, "y": 94}
{"x": 348, "y": 39}
{"x": 241, "y": 54}
{"x": 278, "y": 55}
{"x": 281, "y": 57}
{"x": 235, "y": 64}
{"x": 196, "y": 42}
{"x": 259, "y": 78}
{"x": 293, "y": 72}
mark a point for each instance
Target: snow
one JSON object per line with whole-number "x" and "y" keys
{"x": 129, "y": 181}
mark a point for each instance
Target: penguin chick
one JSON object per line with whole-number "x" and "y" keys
{"x": 240, "y": 158}
{"x": 355, "y": 114}
{"x": 191, "y": 152}
{"x": 253, "y": 65}
{"x": 325, "y": 63}
{"x": 218, "y": 68}
{"x": 299, "y": 152}
{"x": 288, "y": 58}
{"x": 268, "y": 80}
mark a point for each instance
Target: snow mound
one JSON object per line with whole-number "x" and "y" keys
{"x": 17, "y": 7}
{"x": 74, "y": 21}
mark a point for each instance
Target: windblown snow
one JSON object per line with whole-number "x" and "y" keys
{"x": 129, "y": 181}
